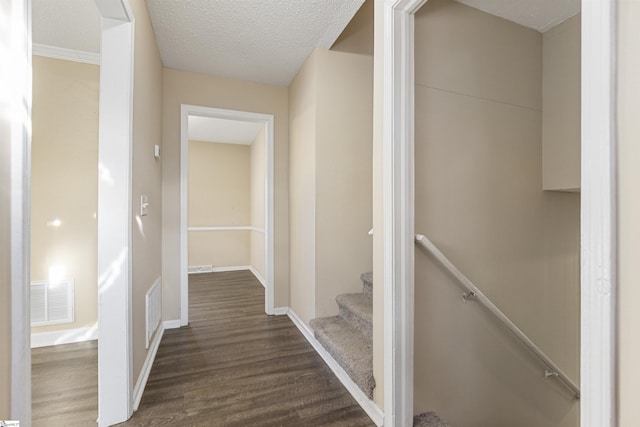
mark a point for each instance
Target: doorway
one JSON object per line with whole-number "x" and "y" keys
{"x": 262, "y": 124}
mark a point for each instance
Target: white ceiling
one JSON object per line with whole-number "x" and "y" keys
{"x": 223, "y": 130}
{"x": 69, "y": 24}
{"x": 257, "y": 40}
{"x": 264, "y": 41}
{"x": 540, "y": 15}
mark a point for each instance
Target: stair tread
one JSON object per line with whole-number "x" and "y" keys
{"x": 429, "y": 419}
{"x": 349, "y": 347}
{"x": 360, "y": 305}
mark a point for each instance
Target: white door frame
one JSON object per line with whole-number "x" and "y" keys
{"x": 15, "y": 99}
{"x": 598, "y": 212}
{"x": 187, "y": 110}
{"x": 115, "y": 142}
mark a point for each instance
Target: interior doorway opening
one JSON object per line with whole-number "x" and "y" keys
{"x": 211, "y": 129}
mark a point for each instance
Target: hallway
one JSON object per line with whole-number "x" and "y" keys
{"x": 235, "y": 366}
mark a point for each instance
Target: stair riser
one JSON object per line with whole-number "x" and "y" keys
{"x": 364, "y": 326}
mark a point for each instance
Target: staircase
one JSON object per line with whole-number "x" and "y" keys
{"x": 348, "y": 338}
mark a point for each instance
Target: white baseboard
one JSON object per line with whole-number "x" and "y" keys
{"x": 373, "y": 411}
{"x": 258, "y": 276}
{"x": 171, "y": 324}
{"x": 64, "y": 336}
{"x": 281, "y": 311}
{"x": 138, "y": 390}
{"x": 235, "y": 268}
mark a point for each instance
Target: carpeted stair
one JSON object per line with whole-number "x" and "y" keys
{"x": 429, "y": 419}
{"x": 347, "y": 336}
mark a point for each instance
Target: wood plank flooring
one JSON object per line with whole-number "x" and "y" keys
{"x": 64, "y": 385}
{"x": 232, "y": 366}
{"x": 235, "y": 366}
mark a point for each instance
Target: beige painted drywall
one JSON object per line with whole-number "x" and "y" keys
{"x": 343, "y": 156}
{"x": 561, "y": 106}
{"x": 302, "y": 189}
{"x": 330, "y": 179}
{"x": 5, "y": 230}
{"x": 628, "y": 105}
{"x": 357, "y": 37}
{"x": 180, "y": 87}
{"x": 479, "y": 198}
{"x": 219, "y": 196}
{"x": 146, "y": 175}
{"x": 64, "y": 181}
{"x": 378, "y": 291}
{"x": 257, "y": 195}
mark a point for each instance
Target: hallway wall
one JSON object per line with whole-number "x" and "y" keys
{"x": 64, "y": 182}
{"x": 330, "y": 169}
{"x": 479, "y": 198}
{"x": 628, "y": 105}
{"x": 146, "y": 230}
{"x": 219, "y": 196}
{"x": 181, "y": 87}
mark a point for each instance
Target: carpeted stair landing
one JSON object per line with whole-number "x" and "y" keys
{"x": 348, "y": 338}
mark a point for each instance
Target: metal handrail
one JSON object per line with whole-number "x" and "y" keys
{"x": 473, "y": 292}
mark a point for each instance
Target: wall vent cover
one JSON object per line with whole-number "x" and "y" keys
{"x": 52, "y": 303}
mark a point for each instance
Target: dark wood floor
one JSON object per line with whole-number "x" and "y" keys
{"x": 235, "y": 366}
{"x": 232, "y": 366}
{"x": 64, "y": 385}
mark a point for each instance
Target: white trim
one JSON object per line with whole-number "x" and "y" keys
{"x": 598, "y": 352}
{"x": 66, "y": 54}
{"x": 398, "y": 209}
{"x": 281, "y": 311}
{"x": 231, "y": 268}
{"x": 64, "y": 336}
{"x": 15, "y": 99}
{"x": 268, "y": 120}
{"x": 373, "y": 411}
{"x": 115, "y": 347}
{"x": 171, "y": 324}
{"x": 227, "y": 228}
{"x": 258, "y": 276}
{"x": 141, "y": 383}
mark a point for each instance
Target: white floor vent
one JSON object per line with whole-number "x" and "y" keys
{"x": 52, "y": 303}
{"x": 153, "y": 303}
{"x": 195, "y": 269}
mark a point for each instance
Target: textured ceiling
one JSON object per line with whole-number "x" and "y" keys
{"x": 69, "y": 24}
{"x": 223, "y": 130}
{"x": 263, "y": 41}
{"x": 540, "y": 15}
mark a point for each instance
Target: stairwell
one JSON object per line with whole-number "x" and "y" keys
{"x": 348, "y": 338}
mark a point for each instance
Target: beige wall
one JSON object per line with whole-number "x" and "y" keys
{"x": 146, "y": 173}
{"x": 181, "y": 87}
{"x": 258, "y": 174}
{"x": 330, "y": 179}
{"x": 561, "y": 106}
{"x": 378, "y": 291}
{"x": 64, "y": 180}
{"x": 357, "y": 37}
{"x": 302, "y": 189}
{"x": 478, "y": 197}
{"x": 344, "y": 138}
{"x": 5, "y": 228}
{"x": 629, "y": 211}
{"x": 219, "y": 195}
